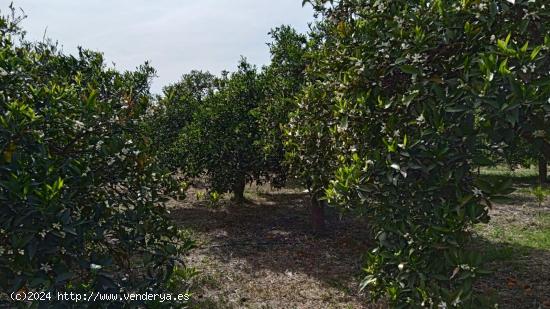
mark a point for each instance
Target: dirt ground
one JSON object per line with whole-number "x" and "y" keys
{"x": 262, "y": 254}
{"x": 520, "y": 262}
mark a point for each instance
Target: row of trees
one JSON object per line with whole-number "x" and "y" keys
{"x": 399, "y": 96}
{"x": 228, "y": 129}
{"x": 89, "y": 156}
{"x": 386, "y": 108}
{"x": 403, "y": 92}
{"x": 80, "y": 186}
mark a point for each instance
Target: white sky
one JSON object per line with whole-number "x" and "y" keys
{"x": 175, "y": 36}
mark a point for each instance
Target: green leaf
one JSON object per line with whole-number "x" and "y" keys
{"x": 409, "y": 98}
{"x": 508, "y": 38}
{"x": 92, "y": 99}
{"x": 503, "y": 68}
{"x": 409, "y": 69}
{"x": 535, "y": 52}
{"x": 525, "y": 47}
{"x": 456, "y": 109}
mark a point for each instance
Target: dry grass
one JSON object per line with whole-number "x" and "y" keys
{"x": 516, "y": 245}
{"x": 263, "y": 254}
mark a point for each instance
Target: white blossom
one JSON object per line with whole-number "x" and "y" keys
{"x": 78, "y": 124}
{"x": 95, "y": 266}
{"x": 477, "y": 192}
{"x": 46, "y": 267}
{"x": 416, "y": 58}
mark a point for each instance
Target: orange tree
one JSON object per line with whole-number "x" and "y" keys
{"x": 80, "y": 204}
{"x": 175, "y": 110}
{"x": 228, "y": 129}
{"x": 397, "y": 95}
{"x": 283, "y": 79}
{"x": 220, "y": 142}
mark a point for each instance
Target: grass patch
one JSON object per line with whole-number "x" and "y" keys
{"x": 502, "y": 170}
{"x": 506, "y": 242}
{"x": 521, "y": 176}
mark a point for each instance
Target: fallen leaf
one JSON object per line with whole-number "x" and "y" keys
{"x": 511, "y": 282}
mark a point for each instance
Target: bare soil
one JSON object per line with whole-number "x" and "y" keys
{"x": 521, "y": 273}
{"x": 263, "y": 254}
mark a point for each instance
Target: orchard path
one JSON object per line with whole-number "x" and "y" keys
{"x": 262, "y": 254}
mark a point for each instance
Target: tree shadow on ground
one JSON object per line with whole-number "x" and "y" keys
{"x": 520, "y": 275}
{"x": 272, "y": 232}
{"x": 519, "y": 180}
{"x": 522, "y": 195}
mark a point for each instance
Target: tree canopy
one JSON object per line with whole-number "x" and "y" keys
{"x": 398, "y": 94}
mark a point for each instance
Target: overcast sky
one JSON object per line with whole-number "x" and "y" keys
{"x": 176, "y": 36}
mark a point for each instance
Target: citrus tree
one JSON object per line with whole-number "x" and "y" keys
{"x": 282, "y": 79}
{"x": 175, "y": 110}
{"x": 308, "y": 149}
{"x": 229, "y": 128}
{"x": 221, "y": 141}
{"x": 80, "y": 203}
{"x": 397, "y": 96}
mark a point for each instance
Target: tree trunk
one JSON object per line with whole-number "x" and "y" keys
{"x": 238, "y": 190}
{"x": 317, "y": 215}
{"x": 543, "y": 170}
